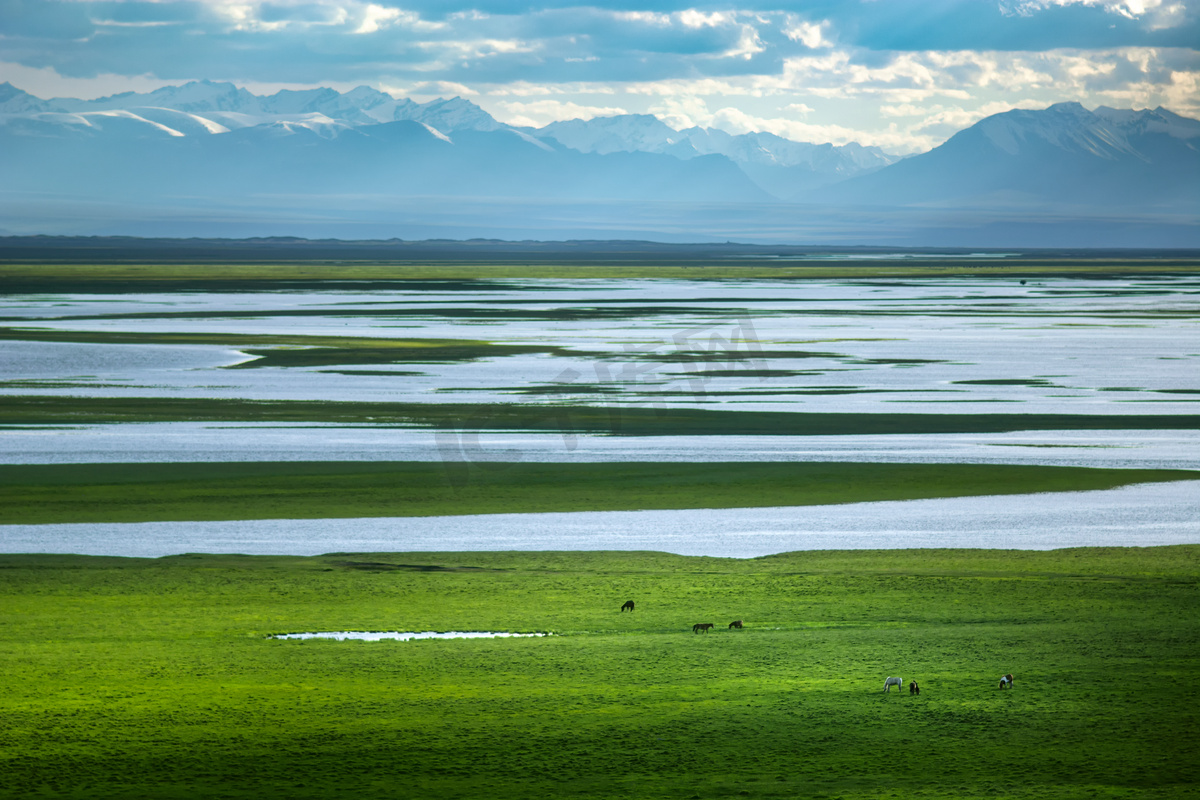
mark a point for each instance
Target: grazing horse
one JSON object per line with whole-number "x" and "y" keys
{"x": 737, "y": 623}
{"x": 628, "y": 605}
{"x": 702, "y": 627}
{"x": 913, "y": 688}
{"x": 890, "y": 682}
{"x": 1006, "y": 681}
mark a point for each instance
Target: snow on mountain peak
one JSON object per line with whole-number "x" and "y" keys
{"x": 614, "y": 134}
{"x": 450, "y": 115}
{"x": 16, "y": 101}
{"x": 1106, "y": 133}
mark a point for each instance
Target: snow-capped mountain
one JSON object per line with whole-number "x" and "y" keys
{"x": 1064, "y": 154}
{"x": 231, "y": 107}
{"x": 216, "y": 144}
{"x": 780, "y": 166}
{"x": 626, "y": 133}
{"x": 206, "y": 149}
{"x": 15, "y": 101}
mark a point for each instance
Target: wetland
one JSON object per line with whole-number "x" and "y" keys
{"x": 933, "y": 467}
{"x": 427, "y": 396}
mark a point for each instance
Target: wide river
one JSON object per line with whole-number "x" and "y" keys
{"x": 1144, "y": 515}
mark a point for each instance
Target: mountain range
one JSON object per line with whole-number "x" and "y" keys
{"x": 214, "y": 147}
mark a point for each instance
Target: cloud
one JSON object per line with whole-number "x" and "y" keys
{"x": 899, "y": 73}
{"x": 686, "y": 111}
{"x": 433, "y": 89}
{"x": 808, "y": 34}
{"x": 538, "y": 113}
{"x": 949, "y": 120}
{"x": 1158, "y": 14}
{"x": 46, "y": 82}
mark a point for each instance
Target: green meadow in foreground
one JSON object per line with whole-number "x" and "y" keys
{"x": 154, "y": 678}
{"x": 42, "y": 493}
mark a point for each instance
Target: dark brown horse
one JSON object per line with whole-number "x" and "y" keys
{"x": 628, "y": 605}
{"x": 737, "y": 623}
{"x": 702, "y": 627}
{"x": 913, "y": 688}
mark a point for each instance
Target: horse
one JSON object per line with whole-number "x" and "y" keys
{"x": 737, "y": 623}
{"x": 1006, "y": 681}
{"x": 890, "y": 682}
{"x": 913, "y": 688}
{"x": 702, "y": 627}
{"x": 628, "y": 604}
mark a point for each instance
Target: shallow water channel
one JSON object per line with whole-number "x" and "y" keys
{"x": 1133, "y": 516}
{"x": 1072, "y": 346}
{"x": 954, "y": 345}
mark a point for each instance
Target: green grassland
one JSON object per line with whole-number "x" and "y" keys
{"x": 37, "y": 494}
{"x": 153, "y": 678}
{"x": 613, "y": 419}
{"x": 449, "y": 274}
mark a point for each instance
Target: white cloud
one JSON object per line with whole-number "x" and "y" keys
{"x": 644, "y": 17}
{"x": 434, "y": 89}
{"x": 542, "y": 112}
{"x": 908, "y": 102}
{"x": 686, "y": 111}
{"x": 748, "y": 44}
{"x": 906, "y": 110}
{"x": 809, "y": 34}
{"x": 955, "y": 119}
{"x": 527, "y": 89}
{"x": 688, "y": 18}
{"x": 46, "y": 82}
{"x": 692, "y": 18}
{"x": 374, "y": 17}
{"x": 1157, "y": 14}
{"x": 808, "y": 85}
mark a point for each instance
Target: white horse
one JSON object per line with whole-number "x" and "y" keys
{"x": 890, "y": 682}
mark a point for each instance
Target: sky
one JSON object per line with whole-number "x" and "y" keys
{"x": 903, "y": 75}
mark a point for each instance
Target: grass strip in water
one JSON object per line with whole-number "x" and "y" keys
{"x": 486, "y": 273}
{"x": 58, "y": 493}
{"x": 275, "y": 350}
{"x": 612, "y": 419}
{"x": 154, "y": 678}
{"x": 565, "y": 313}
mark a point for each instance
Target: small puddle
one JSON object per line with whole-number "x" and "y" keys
{"x": 374, "y": 636}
